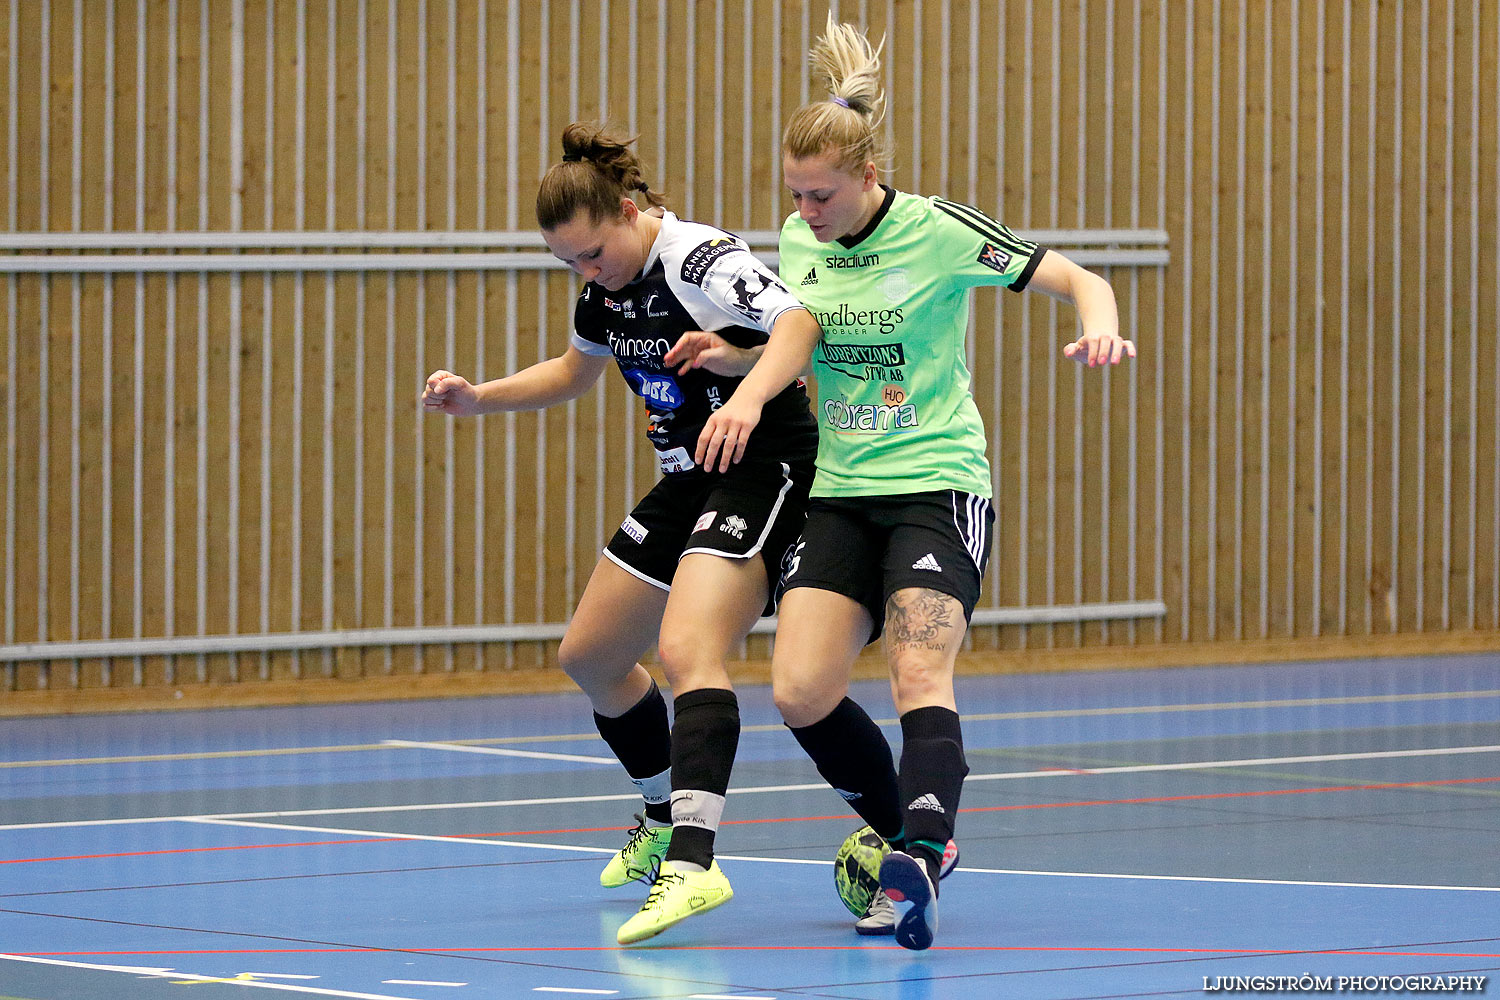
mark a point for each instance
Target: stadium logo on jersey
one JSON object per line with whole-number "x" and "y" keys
{"x": 895, "y": 285}
{"x": 992, "y": 256}
{"x": 734, "y": 525}
{"x": 846, "y": 416}
{"x": 812, "y": 278}
{"x": 858, "y": 260}
{"x": 695, "y": 265}
{"x": 866, "y": 361}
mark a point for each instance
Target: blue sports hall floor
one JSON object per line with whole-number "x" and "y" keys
{"x": 1123, "y": 834}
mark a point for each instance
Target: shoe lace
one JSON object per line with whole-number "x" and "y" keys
{"x": 639, "y": 834}
{"x": 663, "y": 884}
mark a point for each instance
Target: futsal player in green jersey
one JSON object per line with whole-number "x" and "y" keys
{"x": 898, "y": 532}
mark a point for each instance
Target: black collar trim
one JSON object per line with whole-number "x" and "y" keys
{"x": 850, "y": 242}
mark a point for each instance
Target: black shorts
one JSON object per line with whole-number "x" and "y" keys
{"x": 867, "y": 548}
{"x": 756, "y": 508}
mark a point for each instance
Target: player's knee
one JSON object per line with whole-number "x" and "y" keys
{"x": 588, "y": 664}
{"x": 687, "y": 658}
{"x": 802, "y": 704}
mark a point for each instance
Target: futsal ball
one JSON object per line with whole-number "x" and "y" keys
{"x": 856, "y": 869}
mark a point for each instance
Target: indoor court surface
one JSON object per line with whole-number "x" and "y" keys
{"x": 1132, "y": 833}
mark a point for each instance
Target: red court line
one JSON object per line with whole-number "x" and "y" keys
{"x": 1073, "y": 949}
{"x": 1202, "y": 796}
{"x": 196, "y": 850}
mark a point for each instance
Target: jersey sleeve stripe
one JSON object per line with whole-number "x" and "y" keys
{"x": 1024, "y": 278}
{"x": 985, "y": 226}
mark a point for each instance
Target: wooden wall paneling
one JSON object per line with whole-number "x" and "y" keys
{"x": 1118, "y": 92}
{"x": 315, "y": 324}
{"x": 1330, "y": 605}
{"x": 408, "y": 463}
{"x": 1384, "y": 318}
{"x": 29, "y": 545}
{"x": 255, "y": 447}
{"x": 1452, "y": 29}
{"x": 1174, "y": 218}
{"x": 156, "y": 211}
{"x": 347, "y": 505}
{"x": 1411, "y": 392}
{"x": 555, "y": 459}
{"x": 1224, "y": 330}
{"x": 118, "y": 615}
{"x": 1425, "y": 427}
{"x": 219, "y": 332}
{"x": 1106, "y": 418}
{"x": 381, "y": 137}
{"x": 1356, "y": 162}
{"x": 1485, "y": 205}
{"x": 91, "y": 458}
{"x": 1201, "y": 332}
{"x": 1440, "y": 450}
{"x": 378, "y": 426}
{"x": 1277, "y": 395}
{"x": 1304, "y": 328}
{"x": 766, "y": 200}
{"x": 1072, "y": 399}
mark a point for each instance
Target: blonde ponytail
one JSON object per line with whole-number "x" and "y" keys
{"x": 848, "y": 123}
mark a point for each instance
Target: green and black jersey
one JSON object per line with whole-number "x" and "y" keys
{"x": 895, "y": 411}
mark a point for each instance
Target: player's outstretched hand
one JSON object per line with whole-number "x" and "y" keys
{"x": 451, "y": 394}
{"x": 701, "y": 349}
{"x": 725, "y": 435}
{"x": 1099, "y": 349}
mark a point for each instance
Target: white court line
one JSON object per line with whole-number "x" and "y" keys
{"x": 500, "y": 751}
{"x": 158, "y": 973}
{"x": 417, "y": 982}
{"x": 1206, "y": 765}
{"x": 1057, "y": 713}
{"x": 1235, "y": 881}
{"x": 814, "y": 861}
{"x": 563, "y": 989}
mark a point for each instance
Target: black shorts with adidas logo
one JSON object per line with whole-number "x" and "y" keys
{"x": 867, "y": 548}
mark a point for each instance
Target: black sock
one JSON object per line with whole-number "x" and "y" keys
{"x": 642, "y": 740}
{"x": 852, "y": 755}
{"x": 932, "y": 776}
{"x": 705, "y": 734}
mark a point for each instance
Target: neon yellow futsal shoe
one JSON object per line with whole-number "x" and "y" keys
{"x": 675, "y": 897}
{"x": 640, "y": 859}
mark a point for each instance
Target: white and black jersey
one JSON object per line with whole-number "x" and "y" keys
{"x": 696, "y": 278}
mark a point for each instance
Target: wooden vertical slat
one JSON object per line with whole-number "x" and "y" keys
{"x": 1384, "y": 568}
{"x": 1486, "y": 205}
{"x": 1355, "y": 160}
{"x": 1411, "y": 393}
{"x": 214, "y": 333}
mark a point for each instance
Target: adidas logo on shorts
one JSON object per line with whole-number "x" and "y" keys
{"x": 928, "y": 801}
{"x": 927, "y": 562}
